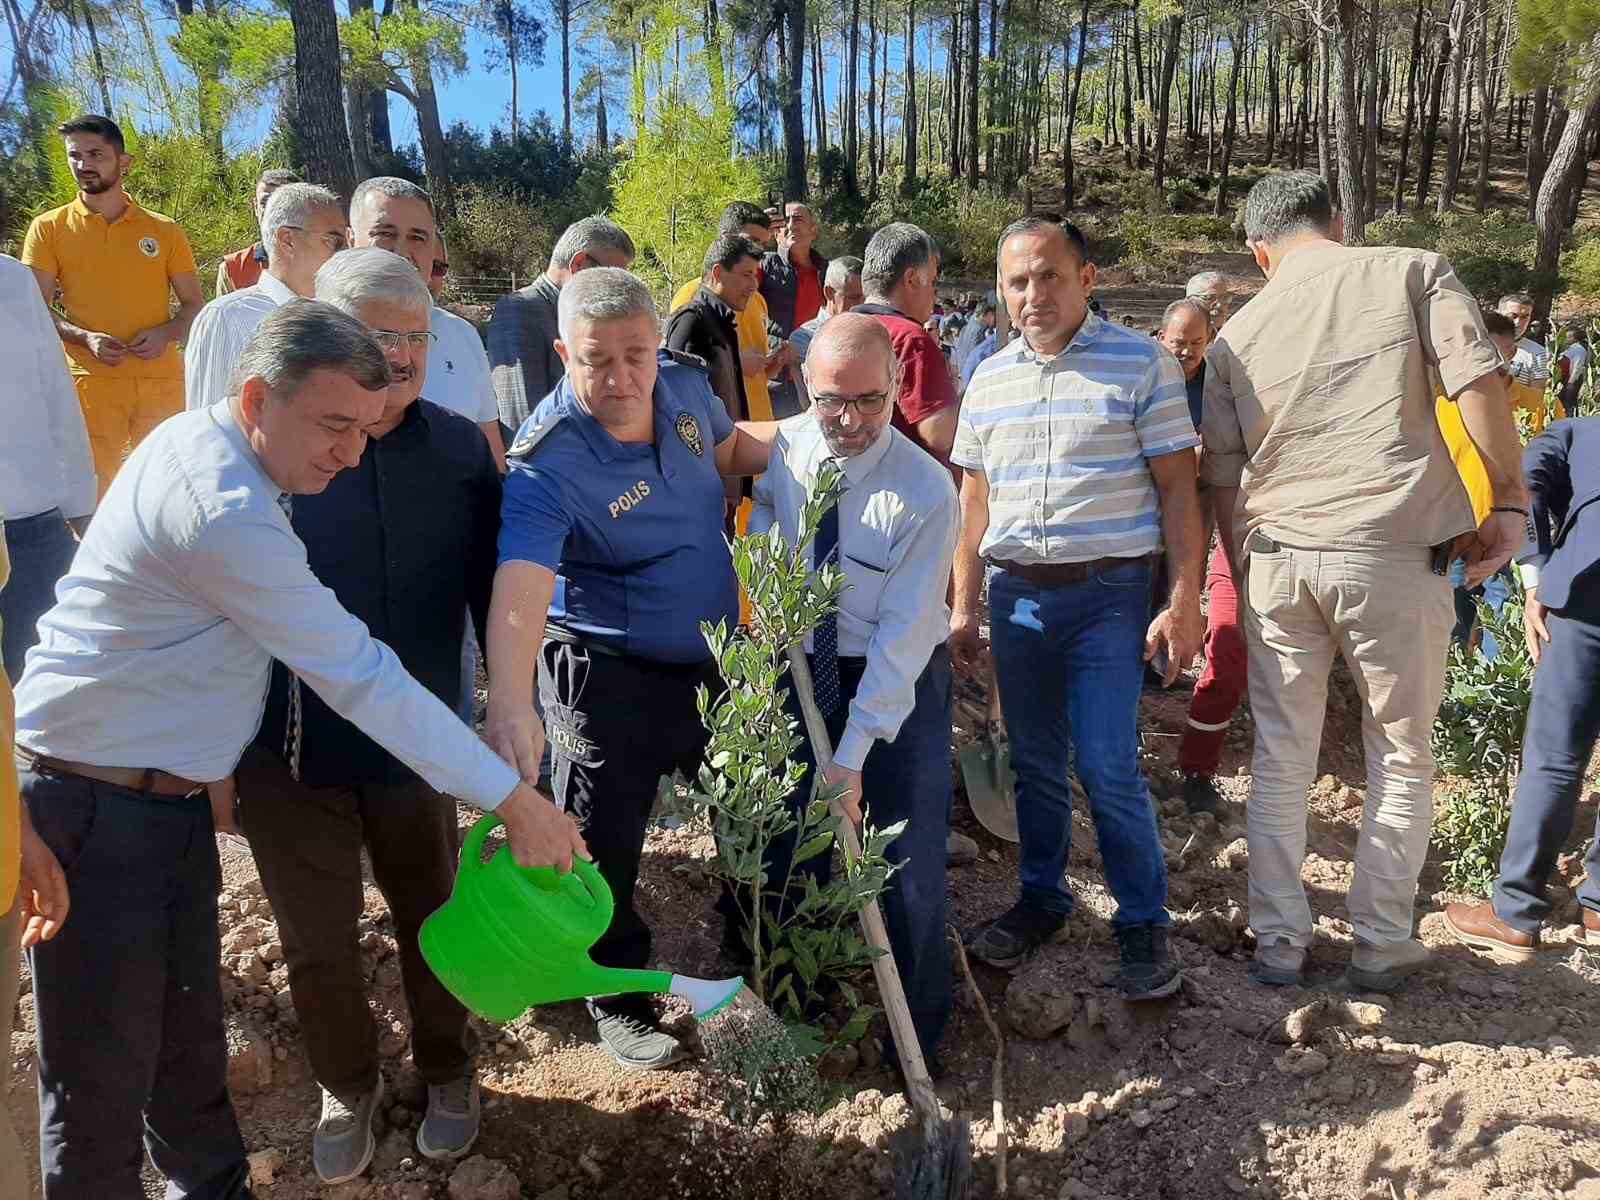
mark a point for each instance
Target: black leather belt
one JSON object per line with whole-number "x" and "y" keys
{"x": 1056, "y": 575}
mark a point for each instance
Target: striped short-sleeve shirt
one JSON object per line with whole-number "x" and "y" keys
{"x": 1063, "y": 441}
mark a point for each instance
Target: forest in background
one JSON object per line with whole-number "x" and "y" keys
{"x": 1465, "y": 125}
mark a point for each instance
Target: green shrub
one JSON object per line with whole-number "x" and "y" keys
{"x": 497, "y": 231}
{"x": 1581, "y": 268}
{"x": 1478, "y": 737}
{"x": 1492, "y": 254}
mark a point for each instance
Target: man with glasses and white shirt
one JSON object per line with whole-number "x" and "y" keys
{"x": 302, "y": 227}
{"x": 880, "y": 667}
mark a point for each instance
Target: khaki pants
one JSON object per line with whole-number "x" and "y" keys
{"x": 1390, "y": 617}
{"x": 13, "y": 1167}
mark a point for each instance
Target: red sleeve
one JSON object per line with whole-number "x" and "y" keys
{"x": 925, "y": 384}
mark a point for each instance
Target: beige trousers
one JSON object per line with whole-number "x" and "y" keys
{"x": 1390, "y": 617}
{"x": 13, "y": 1167}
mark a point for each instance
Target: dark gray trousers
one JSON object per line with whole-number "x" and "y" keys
{"x": 129, "y": 1003}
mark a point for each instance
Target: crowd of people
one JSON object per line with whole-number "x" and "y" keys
{"x": 249, "y": 583}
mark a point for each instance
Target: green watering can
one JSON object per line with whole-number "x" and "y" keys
{"x": 511, "y": 937}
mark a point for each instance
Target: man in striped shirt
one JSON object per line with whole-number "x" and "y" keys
{"x": 1078, "y": 450}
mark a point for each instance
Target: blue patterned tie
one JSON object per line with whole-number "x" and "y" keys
{"x": 825, "y": 638}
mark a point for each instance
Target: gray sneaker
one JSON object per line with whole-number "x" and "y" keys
{"x": 452, "y": 1123}
{"x": 629, "y": 1032}
{"x": 345, "y": 1140}
{"x": 1384, "y": 968}
{"x": 1277, "y": 963}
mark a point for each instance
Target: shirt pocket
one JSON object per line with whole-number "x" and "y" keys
{"x": 863, "y": 594}
{"x": 1083, "y": 412}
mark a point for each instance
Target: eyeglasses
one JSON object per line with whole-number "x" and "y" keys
{"x": 333, "y": 241}
{"x": 869, "y": 405}
{"x": 390, "y": 340}
{"x": 440, "y": 268}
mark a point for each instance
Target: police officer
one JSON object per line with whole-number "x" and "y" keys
{"x": 611, "y": 555}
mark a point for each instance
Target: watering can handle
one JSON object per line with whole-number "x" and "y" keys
{"x": 586, "y": 873}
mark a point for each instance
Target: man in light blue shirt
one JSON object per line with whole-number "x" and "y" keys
{"x": 1078, "y": 451}
{"x": 882, "y": 673}
{"x": 149, "y": 679}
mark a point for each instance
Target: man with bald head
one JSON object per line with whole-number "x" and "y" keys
{"x": 881, "y": 671}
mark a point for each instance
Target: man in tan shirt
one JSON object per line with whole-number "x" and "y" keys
{"x": 1339, "y": 502}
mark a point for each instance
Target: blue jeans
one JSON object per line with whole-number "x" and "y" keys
{"x": 41, "y": 549}
{"x": 1070, "y": 664}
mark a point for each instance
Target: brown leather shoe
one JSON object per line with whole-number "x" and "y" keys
{"x": 1477, "y": 926}
{"x": 1591, "y": 926}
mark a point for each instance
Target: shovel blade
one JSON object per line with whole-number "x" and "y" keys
{"x": 991, "y": 786}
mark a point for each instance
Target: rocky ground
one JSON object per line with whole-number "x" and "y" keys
{"x": 1475, "y": 1082}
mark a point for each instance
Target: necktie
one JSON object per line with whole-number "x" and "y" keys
{"x": 825, "y": 638}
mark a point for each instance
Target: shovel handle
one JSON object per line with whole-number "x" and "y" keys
{"x": 918, "y": 1082}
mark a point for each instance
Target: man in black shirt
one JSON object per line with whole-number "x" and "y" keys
{"x": 707, "y": 326}
{"x": 406, "y": 541}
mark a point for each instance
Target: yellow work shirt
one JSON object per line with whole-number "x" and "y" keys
{"x": 10, "y": 812}
{"x": 752, "y": 327}
{"x": 1465, "y": 455}
{"x": 1531, "y": 401}
{"x": 114, "y": 277}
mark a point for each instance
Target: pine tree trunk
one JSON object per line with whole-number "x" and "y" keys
{"x": 1410, "y": 111}
{"x": 1536, "y": 135}
{"x": 974, "y": 54}
{"x": 872, "y": 97}
{"x": 1327, "y": 164}
{"x": 1069, "y": 198}
{"x": 564, "y": 19}
{"x": 319, "y": 108}
{"x": 1128, "y": 134}
{"x": 1485, "y": 111}
{"x": 1430, "y": 128}
{"x": 1169, "y": 67}
{"x": 1239, "y": 36}
{"x": 1351, "y": 200}
{"x": 1452, "y": 132}
{"x": 852, "y": 121}
{"x": 1562, "y": 174}
{"x": 909, "y": 178}
{"x": 1138, "y": 62}
{"x": 1374, "y": 126}
{"x": 792, "y": 104}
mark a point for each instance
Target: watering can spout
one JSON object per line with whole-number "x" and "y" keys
{"x": 512, "y": 937}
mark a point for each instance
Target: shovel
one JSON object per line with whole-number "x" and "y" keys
{"x": 940, "y": 1167}
{"x": 986, "y": 771}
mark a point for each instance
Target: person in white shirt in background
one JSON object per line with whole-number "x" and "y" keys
{"x": 302, "y": 227}
{"x": 47, "y": 482}
{"x": 149, "y": 680}
{"x": 395, "y": 214}
{"x": 880, "y": 666}
{"x": 1531, "y": 364}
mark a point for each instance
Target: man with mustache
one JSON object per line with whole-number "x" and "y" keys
{"x": 1080, "y": 466}
{"x": 1186, "y": 330}
{"x": 114, "y": 263}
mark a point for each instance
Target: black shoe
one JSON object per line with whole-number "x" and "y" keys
{"x": 631, "y": 1034}
{"x": 1147, "y": 971}
{"x": 1200, "y": 794}
{"x": 1008, "y": 940}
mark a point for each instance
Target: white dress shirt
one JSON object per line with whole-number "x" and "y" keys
{"x": 189, "y": 583}
{"x": 44, "y": 448}
{"x": 898, "y": 523}
{"x": 220, "y": 334}
{"x": 458, "y": 369}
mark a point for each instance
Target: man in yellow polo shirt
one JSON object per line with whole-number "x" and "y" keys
{"x": 114, "y": 264}
{"x": 32, "y": 887}
{"x": 760, "y": 364}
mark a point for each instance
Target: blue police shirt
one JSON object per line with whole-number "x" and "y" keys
{"x": 633, "y": 532}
